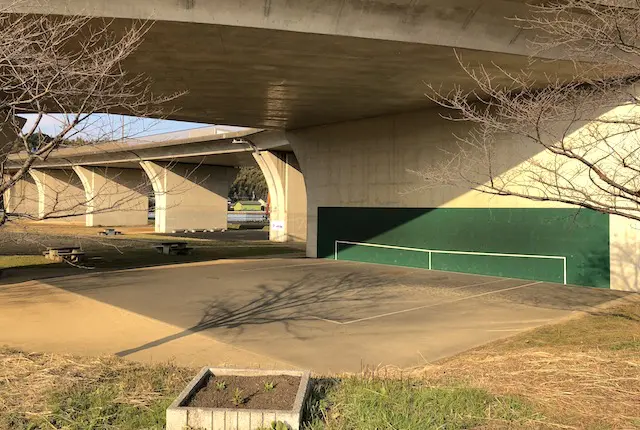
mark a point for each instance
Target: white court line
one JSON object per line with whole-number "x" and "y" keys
{"x": 447, "y": 289}
{"x": 428, "y": 306}
{"x": 440, "y": 251}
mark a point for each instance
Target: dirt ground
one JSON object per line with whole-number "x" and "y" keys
{"x": 247, "y": 392}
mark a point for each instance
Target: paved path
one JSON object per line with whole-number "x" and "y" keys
{"x": 319, "y": 314}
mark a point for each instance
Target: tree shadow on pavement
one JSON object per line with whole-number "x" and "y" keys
{"x": 310, "y": 298}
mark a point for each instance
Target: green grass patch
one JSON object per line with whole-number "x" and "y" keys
{"x": 628, "y": 345}
{"x": 375, "y": 404}
{"x": 99, "y": 408}
{"x": 616, "y": 328}
{"x": 74, "y": 393}
{"x": 7, "y": 261}
{"x": 104, "y": 258}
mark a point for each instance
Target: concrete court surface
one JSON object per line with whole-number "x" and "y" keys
{"x": 319, "y": 314}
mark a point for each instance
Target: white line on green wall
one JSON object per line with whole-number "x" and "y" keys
{"x": 440, "y": 251}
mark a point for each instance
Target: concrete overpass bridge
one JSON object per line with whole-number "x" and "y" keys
{"x": 340, "y": 86}
{"x": 188, "y": 172}
{"x": 293, "y": 64}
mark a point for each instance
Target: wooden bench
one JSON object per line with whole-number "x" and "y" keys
{"x": 173, "y": 248}
{"x": 74, "y": 254}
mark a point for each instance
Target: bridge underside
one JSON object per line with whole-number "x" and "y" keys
{"x": 289, "y": 65}
{"x": 288, "y": 80}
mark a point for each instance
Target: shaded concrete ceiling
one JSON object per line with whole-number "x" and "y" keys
{"x": 290, "y": 64}
{"x": 279, "y": 79}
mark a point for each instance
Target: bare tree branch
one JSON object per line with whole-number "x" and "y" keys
{"x": 581, "y": 136}
{"x": 68, "y": 65}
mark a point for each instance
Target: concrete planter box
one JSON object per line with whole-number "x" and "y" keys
{"x": 184, "y": 417}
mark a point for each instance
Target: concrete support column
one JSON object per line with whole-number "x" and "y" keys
{"x": 287, "y": 193}
{"x": 624, "y": 253}
{"x": 115, "y": 196}
{"x": 61, "y": 195}
{"x": 189, "y": 196}
{"x": 22, "y": 199}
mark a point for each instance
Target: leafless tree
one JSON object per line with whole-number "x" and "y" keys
{"x": 578, "y": 138}
{"x": 74, "y": 67}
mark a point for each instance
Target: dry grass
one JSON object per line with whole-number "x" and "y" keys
{"x": 573, "y": 388}
{"x": 27, "y": 381}
{"x": 22, "y": 260}
{"x": 583, "y": 373}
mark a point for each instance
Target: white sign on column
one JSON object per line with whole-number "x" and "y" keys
{"x": 277, "y": 225}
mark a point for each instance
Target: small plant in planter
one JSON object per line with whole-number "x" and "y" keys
{"x": 269, "y": 386}
{"x": 249, "y": 397}
{"x": 238, "y": 398}
{"x": 277, "y": 425}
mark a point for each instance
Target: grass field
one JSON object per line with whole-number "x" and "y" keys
{"x": 7, "y": 261}
{"x": 21, "y": 250}
{"x": 583, "y": 373}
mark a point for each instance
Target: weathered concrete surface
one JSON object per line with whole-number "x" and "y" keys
{"x": 189, "y": 196}
{"x": 455, "y": 23}
{"x": 322, "y": 315}
{"x": 291, "y": 64}
{"x": 61, "y": 195}
{"x": 287, "y": 193}
{"x": 377, "y": 162}
{"x": 115, "y": 197}
{"x": 23, "y": 198}
{"x": 372, "y": 163}
{"x": 38, "y": 317}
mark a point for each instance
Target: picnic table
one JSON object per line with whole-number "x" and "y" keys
{"x": 176, "y": 248}
{"x": 74, "y": 254}
{"x": 109, "y": 232}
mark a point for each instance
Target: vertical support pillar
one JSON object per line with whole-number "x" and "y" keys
{"x": 114, "y": 196}
{"x": 22, "y": 199}
{"x": 624, "y": 253}
{"x": 288, "y": 195}
{"x": 189, "y": 196}
{"x": 60, "y": 195}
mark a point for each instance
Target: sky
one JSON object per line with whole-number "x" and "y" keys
{"x": 110, "y": 127}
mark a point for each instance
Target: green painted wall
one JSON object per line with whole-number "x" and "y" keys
{"x": 582, "y": 236}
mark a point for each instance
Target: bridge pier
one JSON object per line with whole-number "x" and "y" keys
{"x": 22, "y": 198}
{"x": 114, "y": 196}
{"x": 189, "y": 196}
{"x": 61, "y": 195}
{"x": 288, "y": 205}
